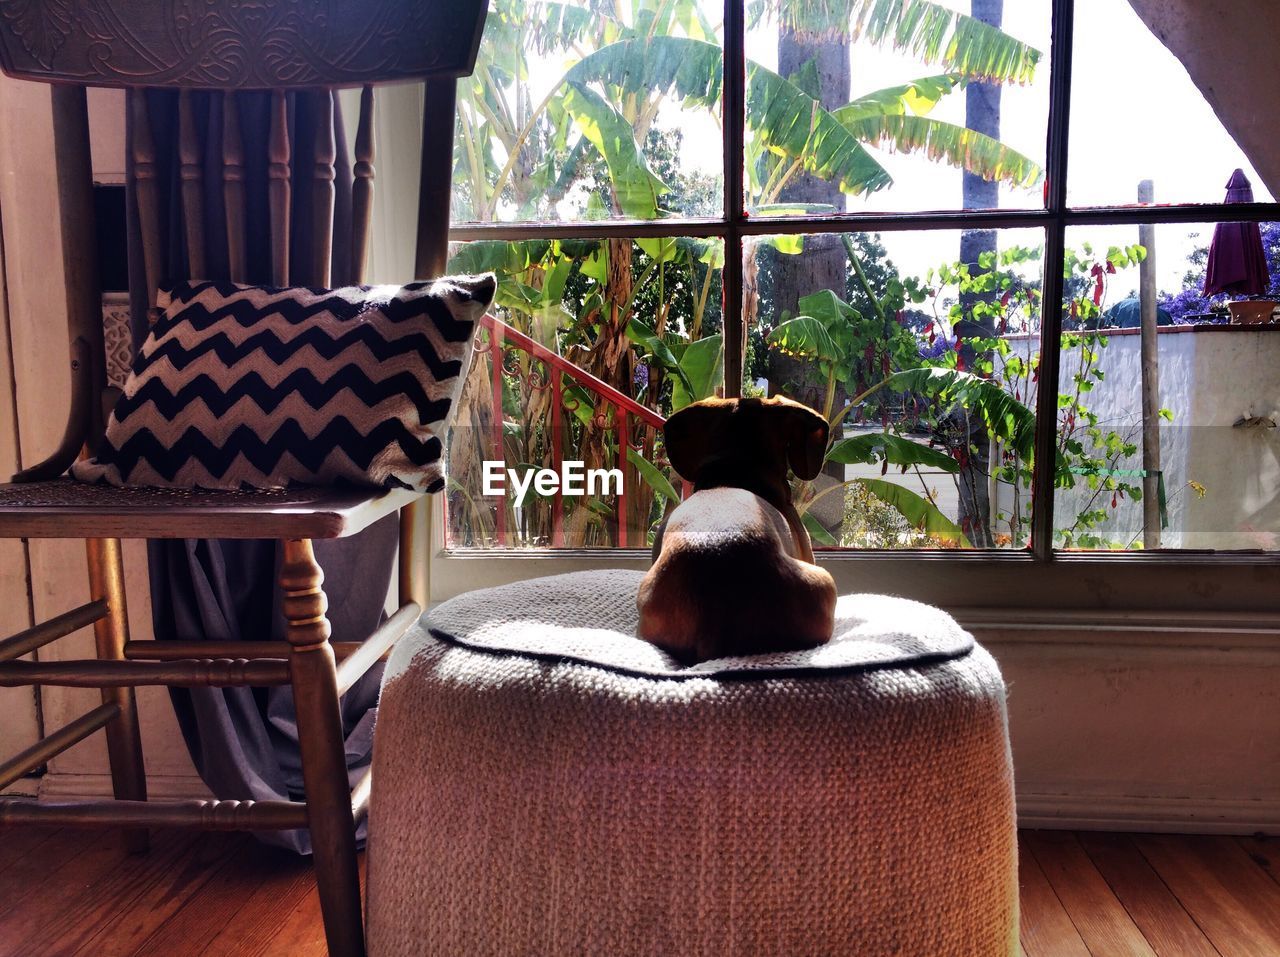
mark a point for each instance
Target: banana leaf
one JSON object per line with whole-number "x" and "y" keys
{"x": 919, "y": 511}
{"x": 918, "y": 97}
{"x": 958, "y": 146}
{"x": 931, "y": 32}
{"x": 636, "y": 186}
{"x": 816, "y": 530}
{"x": 786, "y": 119}
{"x": 700, "y": 369}
{"x": 654, "y": 345}
{"x": 653, "y": 476}
{"x": 1003, "y": 415}
{"x": 805, "y": 337}
{"x": 886, "y": 447}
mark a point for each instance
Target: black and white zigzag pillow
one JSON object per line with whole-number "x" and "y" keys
{"x": 250, "y": 387}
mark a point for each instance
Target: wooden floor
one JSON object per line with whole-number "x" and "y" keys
{"x": 1083, "y": 895}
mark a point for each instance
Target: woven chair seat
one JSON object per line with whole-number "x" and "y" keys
{"x": 549, "y": 784}
{"x": 63, "y": 508}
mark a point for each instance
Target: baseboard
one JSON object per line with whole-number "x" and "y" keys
{"x": 1092, "y": 812}
{"x": 1115, "y": 812}
{"x": 160, "y": 787}
{"x": 22, "y": 788}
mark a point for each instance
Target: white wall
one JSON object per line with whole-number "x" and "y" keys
{"x": 1209, "y": 379}
{"x": 37, "y": 317}
{"x": 18, "y": 706}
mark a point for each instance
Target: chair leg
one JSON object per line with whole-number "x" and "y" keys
{"x": 124, "y": 743}
{"x": 324, "y": 762}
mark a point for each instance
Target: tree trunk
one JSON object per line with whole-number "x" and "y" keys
{"x": 823, "y": 264}
{"x": 821, "y": 68}
{"x": 982, "y": 113}
{"x": 611, "y": 360}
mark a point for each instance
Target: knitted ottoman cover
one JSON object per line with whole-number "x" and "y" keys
{"x": 548, "y": 784}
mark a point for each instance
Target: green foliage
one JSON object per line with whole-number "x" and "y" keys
{"x": 1009, "y": 420}
{"x": 702, "y": 365}
{"x": 932, "y": 32}
{"x": 848, "y": 348}
{"x": 945, "y": 142}
{"x": 646, "y": 316}
{"x": 635, "y": 186}
{"x": 999, "y": 393}
{"x": 653, "y": 477}
{"x": 918, "y": 511}
{"x": 890, "y": 449}
{"x": 697, "y": 367}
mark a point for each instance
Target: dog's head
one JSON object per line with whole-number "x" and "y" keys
{"x": 746, "y": 443}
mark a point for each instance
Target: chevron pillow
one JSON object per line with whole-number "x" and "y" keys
{"x": 250, "y": 387}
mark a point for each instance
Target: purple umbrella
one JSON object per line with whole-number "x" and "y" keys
{"x": 1237, "y": 263}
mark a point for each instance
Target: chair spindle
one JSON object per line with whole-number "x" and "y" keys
{"x": 322, "y": 190}
{"x": 233, "y": 187}
{"x": 279, "y": 191}
{"x": 192, "y": 175}
{"x": 362, "y": 187}
{"x": 144, "y": 174}
{"x": 435, "y": 185}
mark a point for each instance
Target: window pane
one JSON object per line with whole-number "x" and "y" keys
{"x": 1136, "y": 115}
{"x": 925, "y": 366}
{"x": 603, "y": 340}
{"x": 885, "y": 110}
{"x": 586, "y": 110}
{"x": 1217, "y": 480}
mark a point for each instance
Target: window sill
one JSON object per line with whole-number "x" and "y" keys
{"x": 1110, "y": 588}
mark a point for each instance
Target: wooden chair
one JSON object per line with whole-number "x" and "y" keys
{"x": 223, "y": 47}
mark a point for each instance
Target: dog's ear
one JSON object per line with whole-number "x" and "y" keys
{"x": 807, "y": 433}
{"x": 690, "y": 436}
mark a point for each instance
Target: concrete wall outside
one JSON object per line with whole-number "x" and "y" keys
{"x": 1209, "y": 378}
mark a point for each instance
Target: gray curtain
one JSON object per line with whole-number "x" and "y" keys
{"x": 244, "y": 741}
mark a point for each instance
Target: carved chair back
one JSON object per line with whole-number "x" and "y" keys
{"x": 224, "y": 49}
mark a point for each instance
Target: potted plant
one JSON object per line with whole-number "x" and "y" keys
{"x": 1252, "y": 310}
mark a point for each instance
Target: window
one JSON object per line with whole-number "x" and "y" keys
{"x": 866, "y": 206}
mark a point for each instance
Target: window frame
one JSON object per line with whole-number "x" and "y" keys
{"x": 1037, "y": 577}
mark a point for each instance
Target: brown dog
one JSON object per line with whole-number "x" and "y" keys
{"x": 733, "y": 568}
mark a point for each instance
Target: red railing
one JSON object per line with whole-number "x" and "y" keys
{"x": 502, "y": 338}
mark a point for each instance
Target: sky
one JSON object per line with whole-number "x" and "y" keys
{"x": 1135, "y": 115}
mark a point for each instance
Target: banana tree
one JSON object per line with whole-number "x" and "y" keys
{"x": 852, "y": 351}
{"x": 629, "y": 62}
{"x": 557, "y": 291}
{"x": 585, "y": 139}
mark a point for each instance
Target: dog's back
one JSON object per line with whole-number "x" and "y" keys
{"x": 727, "y": 582}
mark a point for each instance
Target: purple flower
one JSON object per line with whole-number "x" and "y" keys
{"x": 940, "y": 346}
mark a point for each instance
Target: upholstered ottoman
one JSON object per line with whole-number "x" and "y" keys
{"x": 547, "y": 784}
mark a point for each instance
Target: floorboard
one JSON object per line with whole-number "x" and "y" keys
{"x": 302, "y": 932}
{"x": 1164, "y": 922}
{"x": 163, "y": 893}
{"x": 1046, "y": 929}
{"x": 67, "y": 892}
{"x": 94, "y": 866}
{"x": 1099, "y": 918}
{"x": 21, "y": 863}
{"x": 217, "y": 903}
{"x": 1263, "y": 851}
{"x": 118, "y": 892}
{"x": 1232, "y": 899}
{"x": 284, "y": 882}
